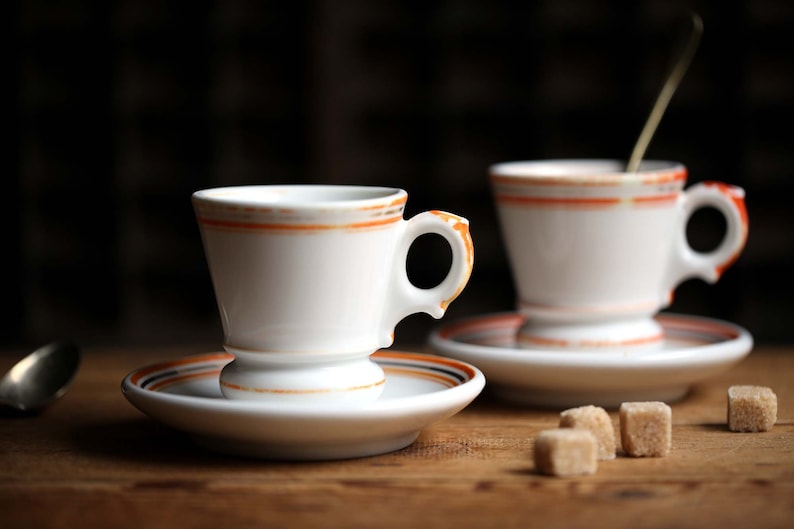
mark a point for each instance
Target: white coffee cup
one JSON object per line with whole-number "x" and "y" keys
{"x": 595, "y": 251}
{"x": 311, "y": 280}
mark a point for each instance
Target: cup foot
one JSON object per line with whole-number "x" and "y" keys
{"x": 356, "y": 381}
{"x": 642, "y": 333}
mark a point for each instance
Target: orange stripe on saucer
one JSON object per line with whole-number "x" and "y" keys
{"x": 426, "y": 359}
{"x": 182, "y": 378}
{"x": 301, "y": 391}
{"x": 709, "y": 328}
{"x": 211, "y": 357}
{"x": 489, "y": 323}
{"x": 435, "y": 377}
{"x": 590, "y": 344}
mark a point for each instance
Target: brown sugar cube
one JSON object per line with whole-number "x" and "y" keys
{"x": 566, "y": 452}
{"x": 751, "y": 408}
{"x": 646, "y": 428}
{"x": 597, "y": 421}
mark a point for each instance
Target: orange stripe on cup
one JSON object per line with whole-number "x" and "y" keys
{"x": 280, "y": 226}
{"x": 553, "y": 181}
{"x": 655, "y": 199}
{"x": 651, "y": 200}
{"x": 396, "y": 202}
{"x": 553, "y": 201}
{"x": 594, "y": 180}
{"x": 666, "y": 177}
{"x": 735, "y": 195}
{"x": 461, "y": 227}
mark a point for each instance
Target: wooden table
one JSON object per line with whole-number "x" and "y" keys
{"x": 92, "y": 460}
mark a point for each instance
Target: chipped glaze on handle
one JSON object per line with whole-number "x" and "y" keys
{"x": 407, "y": 299}
{"x": 728, "y": 200}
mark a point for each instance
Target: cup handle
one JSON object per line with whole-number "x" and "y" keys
{"x": 727, "y": 199}
{"x": 407, "y": 299}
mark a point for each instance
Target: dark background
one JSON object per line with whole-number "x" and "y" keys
{"x": 119, "y": 110}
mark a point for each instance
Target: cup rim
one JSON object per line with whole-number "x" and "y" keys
{"x": 301, "y": 196}
{"x": 587, "y": 170}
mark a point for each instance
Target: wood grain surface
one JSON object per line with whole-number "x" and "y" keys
{"x": 92, "y": 460}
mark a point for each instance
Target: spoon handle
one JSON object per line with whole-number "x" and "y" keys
{"x": 667, "y": 91}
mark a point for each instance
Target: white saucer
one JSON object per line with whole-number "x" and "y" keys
{"x": 420, "y": 389}
{"x": 694, "y": 349}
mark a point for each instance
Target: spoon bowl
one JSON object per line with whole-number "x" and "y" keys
{"x": 40, "y": 378}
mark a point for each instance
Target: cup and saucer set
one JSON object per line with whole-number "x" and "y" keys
{"x": 311, "y": 281}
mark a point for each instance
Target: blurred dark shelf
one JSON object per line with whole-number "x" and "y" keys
{"x": 119, "y": 110}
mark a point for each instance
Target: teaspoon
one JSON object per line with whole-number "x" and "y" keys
{"x": 40, "y": 378}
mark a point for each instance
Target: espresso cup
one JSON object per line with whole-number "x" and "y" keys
{"x": 310, "y": 280}
{"x": 596, "y": 251}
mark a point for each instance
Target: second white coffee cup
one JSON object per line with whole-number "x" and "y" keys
{"x": 596, "y": 251}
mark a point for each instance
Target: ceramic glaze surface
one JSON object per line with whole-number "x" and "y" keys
{"x": 595, "y": 251}
{"x": 692, "y": 349}
{"x": 311, "y": 280}
{"x": 419, "y": 390}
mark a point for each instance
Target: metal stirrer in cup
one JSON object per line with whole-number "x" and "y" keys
{"x": 666, "y": 93}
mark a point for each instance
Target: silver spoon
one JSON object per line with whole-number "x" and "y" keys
{"x": 40, "y": 378}
{"x": 666, "y": 93}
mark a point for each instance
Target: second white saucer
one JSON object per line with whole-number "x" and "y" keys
{"x": 420, "y": 390}
{"x": 694, "y": 349}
